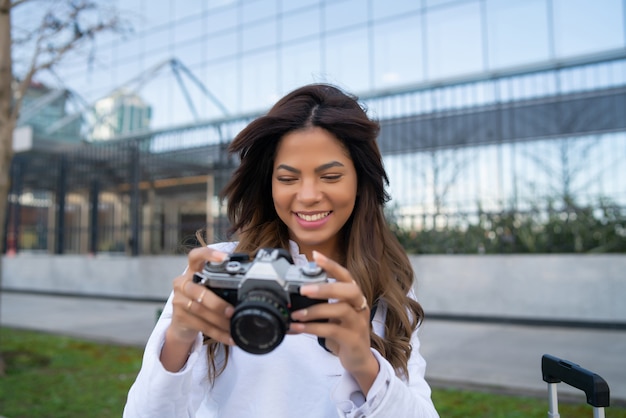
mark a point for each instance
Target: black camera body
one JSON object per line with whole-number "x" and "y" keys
{"x": 264, "y": 292}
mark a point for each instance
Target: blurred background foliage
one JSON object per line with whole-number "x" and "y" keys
{"x": 565, "y": 227}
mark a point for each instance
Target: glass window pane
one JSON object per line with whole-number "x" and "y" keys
{"x": 583, "y": 26}
{"x": 129, "y": 8}
{"x": 301, "y": 64}
{"x": 133, "y": 47}
{"x": 190, "y": 53}
{"x": 454, "y": 41}
{"x": 186, "y": 9}
{"x": 259, "y": 35}
{"x": 192, "y": 28}
{"x": 345, "y": 53}
{"x": 288, "y": 6}
{"x": 216, "y": 4}
{"x": 385, "y": 8}
{"x": 398, "y": 55}
{"x": 343, "y": 13}
{"x": 222, "y": 45}
{"x": 221, "y": 19}
{"x": 157, "y": 40}
{"x": 259, "y": 77}
{"x": 155, "y": 57}
{"x": 221, "y": 80}
{"x": 153, "y": 16}
{"x": 160, "y": 95}
{"x": 517, "y": 31}
{"x": 431, "y": 3}
{"x": 300, "y": 24}
{"x": 255, "y": 10}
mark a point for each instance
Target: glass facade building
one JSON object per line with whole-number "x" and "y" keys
{"x": 486, "y": 105}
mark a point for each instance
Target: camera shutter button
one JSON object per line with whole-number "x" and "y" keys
{"x": 311, "y": 269}
{"x": 233, "y": 266}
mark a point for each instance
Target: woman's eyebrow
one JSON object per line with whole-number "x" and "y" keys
{"x": 326, "y": 166}
{"x": 288, "y": 168}
{"x": 317, "y": 170}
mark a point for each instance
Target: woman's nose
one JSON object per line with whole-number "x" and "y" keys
{"x": 309, "y": 191}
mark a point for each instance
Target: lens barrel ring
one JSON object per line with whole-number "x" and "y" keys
{"x": 260, "y": 321}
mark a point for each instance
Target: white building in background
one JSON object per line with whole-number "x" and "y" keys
{"x": 120, "y": 113}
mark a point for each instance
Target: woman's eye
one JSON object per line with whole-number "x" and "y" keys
{"x": 286, "y": 179}
{"x": 331, "y": 177}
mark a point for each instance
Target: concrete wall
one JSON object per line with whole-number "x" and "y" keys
{"x": 555, "y": 287}
{"x": 149, "y": 277}
{"x": 552, "y": 287}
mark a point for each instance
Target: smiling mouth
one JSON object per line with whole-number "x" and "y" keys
{"x": 314, "y": 217}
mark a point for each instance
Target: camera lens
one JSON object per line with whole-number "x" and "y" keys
{"x": 260, "y": 322}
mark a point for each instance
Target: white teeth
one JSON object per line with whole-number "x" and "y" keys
{"x": 312, "y": 218}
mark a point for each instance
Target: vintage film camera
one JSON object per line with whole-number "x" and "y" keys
{"x": 264, "y": 292}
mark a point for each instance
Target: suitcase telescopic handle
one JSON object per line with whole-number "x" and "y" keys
{"x": 556, "y": 370}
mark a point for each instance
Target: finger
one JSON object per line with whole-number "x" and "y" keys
{"x": 332, "y": 268}
{"x": 199, "y": 256}
{"x": 341, "y": 313}
{"x": 209, "y": 299}
{"x": 335, "y": 333}
{"x": 363, "y": 306}
{"x": 348, "y": 292}
{"x": 188, "y": 313}
{"x": 179, "y": 282}
{"x": 187, "y": 323}
{"x": 352, "y": 293}
{"x": 206, "y": 301}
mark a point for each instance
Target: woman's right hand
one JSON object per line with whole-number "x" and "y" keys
{"x": 195, "y": 310}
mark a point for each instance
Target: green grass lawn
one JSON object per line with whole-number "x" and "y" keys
{"x": 59, "y": 377}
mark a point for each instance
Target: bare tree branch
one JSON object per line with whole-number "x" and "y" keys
{"x": 64, "y": 30}
{"x": 16, "y": 3}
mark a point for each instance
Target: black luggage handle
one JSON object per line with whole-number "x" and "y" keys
{"x": 555, "y": 370}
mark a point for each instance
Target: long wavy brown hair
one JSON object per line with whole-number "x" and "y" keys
{"x": 372, "y": 254}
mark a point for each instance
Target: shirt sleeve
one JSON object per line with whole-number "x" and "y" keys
{"x": 389, "y": 395}
{"x": 157, "y": 392}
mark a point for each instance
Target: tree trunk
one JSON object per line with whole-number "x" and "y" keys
{"x": 7, "y": 117}
{"x": 6, "y": 130}
{"x": 7, "y": 123}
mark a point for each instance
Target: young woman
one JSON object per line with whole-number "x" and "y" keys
{"x": 315, "y": 154}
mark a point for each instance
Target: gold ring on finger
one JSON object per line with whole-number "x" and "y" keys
{"x": 189, "y": 304}
{"x": 363, "y": 305}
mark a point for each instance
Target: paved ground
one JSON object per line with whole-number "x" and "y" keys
{"x": 507, "y": 358}
{"x": 496, "y": 357}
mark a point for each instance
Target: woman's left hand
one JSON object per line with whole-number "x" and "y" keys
{"x": 347, "y": 331}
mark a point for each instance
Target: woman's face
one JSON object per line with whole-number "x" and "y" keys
{"x": 314, "y": 186}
